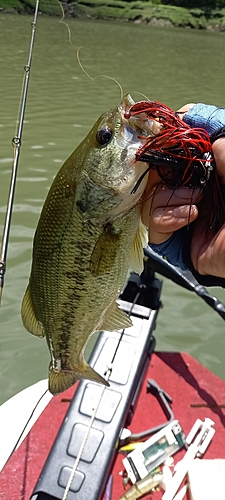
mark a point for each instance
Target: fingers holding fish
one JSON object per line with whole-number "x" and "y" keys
{"x": 167, "y": 211}
{"x": 165, "y": 221}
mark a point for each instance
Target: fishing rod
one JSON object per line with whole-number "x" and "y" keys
{"x": 16, "y": 145}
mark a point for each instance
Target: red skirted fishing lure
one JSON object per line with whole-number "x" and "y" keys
{"x": 181, "y": 155}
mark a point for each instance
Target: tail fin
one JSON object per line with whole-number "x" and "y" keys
{"x": 61, "y": 380}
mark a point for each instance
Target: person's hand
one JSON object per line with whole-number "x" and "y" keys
{"x": 165, "y": 212}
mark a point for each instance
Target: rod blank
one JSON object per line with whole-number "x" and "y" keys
{"x": 16, "y": 145}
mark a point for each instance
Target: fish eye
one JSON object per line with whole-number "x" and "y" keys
{"x": 104, "y": 136}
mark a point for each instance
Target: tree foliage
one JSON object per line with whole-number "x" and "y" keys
{"x": 201, "y": 4}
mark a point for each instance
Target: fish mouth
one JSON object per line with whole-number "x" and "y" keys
{"x": 126, "y": 104}
{"x": 144, "y": 126}
{"x": 133, "y": 129}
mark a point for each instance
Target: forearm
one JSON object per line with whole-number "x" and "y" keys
{"x": 205, "y": 116}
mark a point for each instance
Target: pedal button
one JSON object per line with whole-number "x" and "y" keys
{"x": 77, "y": 480}
{"x": 107, "y": 407}
{"x": 92, "y": 445}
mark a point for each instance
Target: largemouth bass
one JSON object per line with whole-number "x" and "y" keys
{"x": 88, "y": 235}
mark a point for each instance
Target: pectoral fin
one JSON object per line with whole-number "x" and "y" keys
{"x": 29, "y": 319}
{"x": 105, "y": 251}
{"x": 137, "y": 255}
{"x": 116, "y": 319}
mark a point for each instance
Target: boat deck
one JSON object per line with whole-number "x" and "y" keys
{"x": 195, "y": 391}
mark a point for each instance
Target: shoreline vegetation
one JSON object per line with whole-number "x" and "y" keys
{"x": 209, "y": 16}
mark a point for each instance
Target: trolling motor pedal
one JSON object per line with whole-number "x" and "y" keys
{"x": 114, "y": 407}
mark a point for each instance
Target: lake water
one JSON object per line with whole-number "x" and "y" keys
{"x": 174, "y": 66}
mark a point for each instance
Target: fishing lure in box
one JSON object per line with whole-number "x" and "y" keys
{"x": 153, "y": 452}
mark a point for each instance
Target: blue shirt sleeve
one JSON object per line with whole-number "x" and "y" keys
{"x": 172, "y": 249}
{"x": 205, "y": 116}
